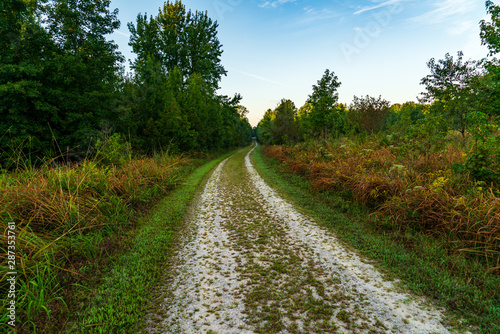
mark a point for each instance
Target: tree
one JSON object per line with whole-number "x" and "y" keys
{"x": 323, "y": 101}
{"x": 490, "y": 31}
{"x": 449, "y": 86}
{"x": 490, "y": 36}
{"x": 264, "y": 127}
{"x": 242, "y": 111}
{"x": 179, "y": 38}
{"x": 58, "y": 72}
{"x": 402, "y": 116}
{"x": 24, "y": 109}
{"x": 303, "y": 120}
{"x": 284, "y": 129}
{"x": 178, "y": 64}
{"x": 368, "y": 113}
{"x": 236, "y": 128}
{"x": 84, "y": 70}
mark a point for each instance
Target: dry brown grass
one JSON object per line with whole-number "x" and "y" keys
{"x": 64, "y": 214}
{"x": 413, "y": 191}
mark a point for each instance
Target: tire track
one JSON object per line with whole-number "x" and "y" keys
{"x": 252, "y": 264}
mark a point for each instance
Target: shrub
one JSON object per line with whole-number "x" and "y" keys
{"x": 113, "y": 150}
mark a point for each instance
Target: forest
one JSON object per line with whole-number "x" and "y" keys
{"x": 88, "y": 150}
{"x": 64, "y": 91}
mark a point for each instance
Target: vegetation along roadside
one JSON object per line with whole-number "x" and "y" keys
{"x": 78, "y": 230}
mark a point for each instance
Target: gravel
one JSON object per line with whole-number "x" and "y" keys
{"x": 251, "y": 263}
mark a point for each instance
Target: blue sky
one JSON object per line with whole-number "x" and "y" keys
{"x": 276, "y": 49}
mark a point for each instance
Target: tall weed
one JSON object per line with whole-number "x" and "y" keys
{"x": 63, "y": 215}
{"x": 414, "y": 191}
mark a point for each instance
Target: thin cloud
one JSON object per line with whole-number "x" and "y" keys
{"x": 445, "y": 10}
{"x": 258, "y": 77}
{"x": 313, "y": 14}
{"x": 380, "y": 5}
{"x": 275, "y": 3}
{"x": 121, "y": 33}
{"x": 461, "y": 28}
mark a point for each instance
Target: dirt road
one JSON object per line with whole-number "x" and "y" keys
{"x": 251, "y": 263}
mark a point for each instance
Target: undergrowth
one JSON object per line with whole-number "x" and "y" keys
{"x": 406, "y": 189}
{"x": 70, "y": 220}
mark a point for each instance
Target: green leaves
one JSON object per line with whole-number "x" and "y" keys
{"x": 177, "y": 38}
{"x": 177, "y": 73}
{"x": 58, "y": 74}
{"x": 450, "y": 86}
{"x": 323, "y": 100}
{"x": 368, "y": 113}
{"x": 490, "y": 31}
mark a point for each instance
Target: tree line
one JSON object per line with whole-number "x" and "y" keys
{"x": 63, "y": 87}
{"x": 461, "y": 96}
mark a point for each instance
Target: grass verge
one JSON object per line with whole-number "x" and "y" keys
{"x": 461, "y": 285}
{"x": 120, "y": 302}
{"x": 69, "y": 220}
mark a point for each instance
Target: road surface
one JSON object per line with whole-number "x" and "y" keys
{"x": 251, "y": 263}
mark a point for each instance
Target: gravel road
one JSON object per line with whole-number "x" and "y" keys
{"x": 249, "y": 262}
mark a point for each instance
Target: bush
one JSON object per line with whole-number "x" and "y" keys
{"x": 113, "y": 150}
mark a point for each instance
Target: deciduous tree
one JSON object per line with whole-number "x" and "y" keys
{"x": 450, "y": 85}
{"x": 368, "y": 113}
{"x": 323, "y": 101}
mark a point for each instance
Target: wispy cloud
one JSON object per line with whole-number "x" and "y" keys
{"x": 313, "y": 14}
{"x": 258, "y": 77}
{"x": 121, "y": 33}
{"x": 445, "y": 9}
{"x": 380, "y": 5}
{"x": 461, "y": 27}
{"x": 275, "y": 3}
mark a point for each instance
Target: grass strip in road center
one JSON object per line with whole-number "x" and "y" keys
{"x": 121, "y": 301}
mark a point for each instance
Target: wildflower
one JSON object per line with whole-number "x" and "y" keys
{"x": 438, "y": 184}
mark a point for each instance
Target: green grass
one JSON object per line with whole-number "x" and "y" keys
{"x": 453, "y": 281}
{"x": 121, "y": 300}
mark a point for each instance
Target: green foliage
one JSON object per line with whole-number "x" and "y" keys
{"x": 368, "y": 113}
{"x": 279, "y": 126}
{"x": 450, "y": 85}
{"x": 323, "y": 100}
{"x": 402, "y": 116}
{"x": 58, "y": 73}
{"x": 428, "y": 134}
{"x": 171, "y": 101}
{"x": 490, "y": 31}
{"x": 24, "y": 106}
{"x": 483, "y": 159}
{"x": 60, "y": 79}
{"x": 321, "y": 116}
{"x": 480, "y": 164}
{"x": 177, "y": 38}
{"x": 113, "y": 150}
{"x": 264, "y": 127}
{"x": 284, "y": 129}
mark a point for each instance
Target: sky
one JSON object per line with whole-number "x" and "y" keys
{"x": 275, "y": 49}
